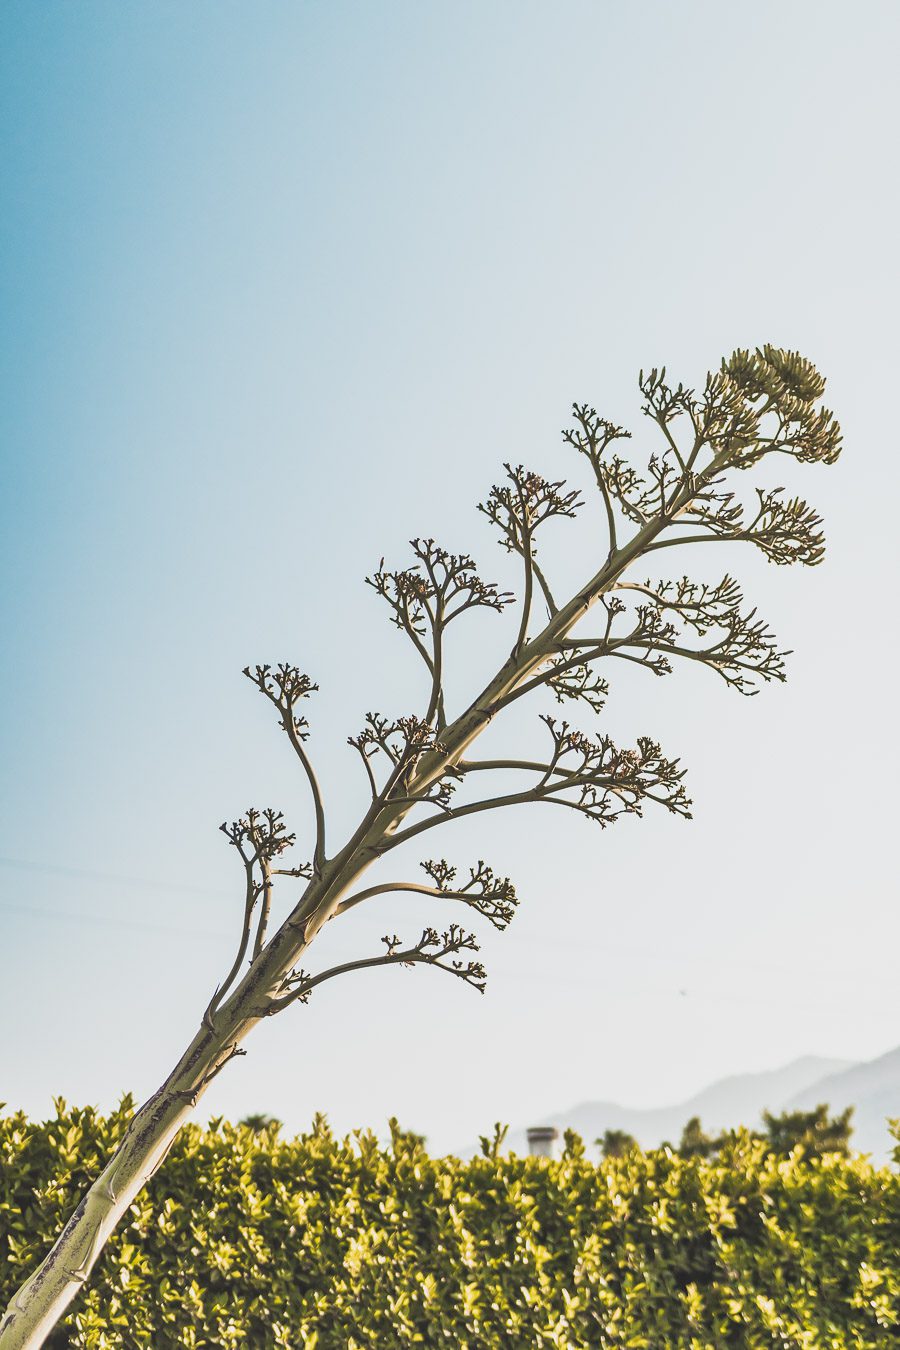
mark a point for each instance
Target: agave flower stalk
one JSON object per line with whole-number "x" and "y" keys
{"x": 419, "y": 768}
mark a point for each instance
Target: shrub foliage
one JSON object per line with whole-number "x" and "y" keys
{"x": 245, "y": 1238}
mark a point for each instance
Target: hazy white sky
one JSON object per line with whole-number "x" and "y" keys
{"x": 281, "y": 291}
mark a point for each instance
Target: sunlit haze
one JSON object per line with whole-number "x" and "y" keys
{"x": 281, "y": 292}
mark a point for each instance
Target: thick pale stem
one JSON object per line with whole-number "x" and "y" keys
{"x": 43, "y": 1299}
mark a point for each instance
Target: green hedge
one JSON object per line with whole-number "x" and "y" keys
{"x": 251, "y": 1240}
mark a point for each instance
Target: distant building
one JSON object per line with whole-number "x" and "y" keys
{"x": 542, "y": 1140}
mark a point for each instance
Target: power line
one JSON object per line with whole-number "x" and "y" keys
{"x": 84, "y": 874}
{"x": 105, "y": 920}
{"x": 79, "y": 916}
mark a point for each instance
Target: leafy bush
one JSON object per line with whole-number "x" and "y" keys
{"x": 247, "y": 1239}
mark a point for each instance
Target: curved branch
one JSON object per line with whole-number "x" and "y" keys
{"x": 318, "y": 805}
{"x": 696, "y": 539}
{"x": 436, "y": 700}
{"x": 412, "y": 956}
{"x": 390, "y": 887}
{"x": 284, "y": 686}
{"x": 528, "y": 562}
{"x": 523, "y": 765}
{"x": 552, "y": 606}
{"x": 510, "y": 799}
{"x": 266, "y": 891}
{"x": 610, "y": 513}
{"x": 544, "y": 677}
{"x": 408, "y": 623}
{"x": 715, "y": 658}
{"x": 595, "y": 435}
{"x": 251, "y": 896}
{"x": 471, "y": 808}
{"x": 373, "y": 786}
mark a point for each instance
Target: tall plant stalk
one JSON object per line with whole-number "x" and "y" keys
{"x": 417, "y": 767}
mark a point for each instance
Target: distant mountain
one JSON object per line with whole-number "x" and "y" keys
{"x": 872, "y": 1088}
{"x": 737, "y": 1100}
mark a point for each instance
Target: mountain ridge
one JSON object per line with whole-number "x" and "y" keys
{"x": 871, "y": 1087}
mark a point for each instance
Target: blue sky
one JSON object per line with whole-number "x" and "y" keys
{"x": 282, "y": 290}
